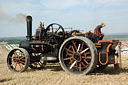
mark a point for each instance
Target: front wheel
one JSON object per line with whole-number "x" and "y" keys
{"x": 18, "y": 60}
{"x": 78, "y": 55}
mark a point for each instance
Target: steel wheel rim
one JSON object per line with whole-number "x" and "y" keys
{"x": 16, "y": 60}
{"x": 72, "y": 63}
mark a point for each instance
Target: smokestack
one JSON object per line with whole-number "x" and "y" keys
{"x": 29, "y": 27}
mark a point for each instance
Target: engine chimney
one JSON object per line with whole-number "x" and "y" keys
{"x": 29, "y": 27}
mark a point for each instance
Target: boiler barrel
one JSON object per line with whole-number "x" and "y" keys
{"x": 35, "y": 47}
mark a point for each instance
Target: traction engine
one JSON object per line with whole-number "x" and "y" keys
{"x": 77, "y": 53}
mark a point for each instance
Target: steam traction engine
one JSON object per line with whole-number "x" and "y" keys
{"x": 77, "y": 53}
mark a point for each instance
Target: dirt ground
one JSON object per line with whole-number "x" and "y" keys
{"x": 54, "y": 75}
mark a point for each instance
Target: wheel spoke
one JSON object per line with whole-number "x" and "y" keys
{"x": 20, "y": 54}
{"x": 16, "y": 65}
{"x": 73, "y": 49}
{"x": 69, "y": 54}
{"x": 85, "y": 54}
{"x": 84, "y": 50}
{"x": 71, "y": 60}
{"x": 22, "y": 62}
{"x": 15, "y": 54}
{"x": 78, "y": 47}
{"x": 82, "y": 47}
{"x": 57, "y": 30}
{"x": 79, "y": 66}
{"x": 68, "y": 58}
{"x": 88, "y": 57}
{"x": 50, "y": 38}
{"x": 83, "y": 64}
{"x": 72, "y": 64}
{"x": 86, "y": 61}
{"x": 20, "y": 66}
{"x": 74, "y": 45}
{"x": 69, "y": 50}
{"x": 22, "y": 57}
{"x": 55, "y": 40}
{"x": 14, "y": 61}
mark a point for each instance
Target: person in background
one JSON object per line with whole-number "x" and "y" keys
{"x": 97, "y": 31}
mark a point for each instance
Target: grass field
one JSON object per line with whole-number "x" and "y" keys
{"x": 54, "y": 75}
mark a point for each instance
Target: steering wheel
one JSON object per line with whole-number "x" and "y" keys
{"x": 55, "y": 34}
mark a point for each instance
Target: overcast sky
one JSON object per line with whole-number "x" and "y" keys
{"x": 78, "y": 14}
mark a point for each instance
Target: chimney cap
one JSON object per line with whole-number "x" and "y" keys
{"x": 28, "y": 18}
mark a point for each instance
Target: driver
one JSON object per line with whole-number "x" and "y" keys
{"x": 97, "y": 31}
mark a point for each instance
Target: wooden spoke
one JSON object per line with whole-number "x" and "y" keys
{"x": 68, "y": 58}
{"x": 79, "y": 66}
{"x": 76, "y": 65}
{"x": 19, "y": 53}
{"x": 20, "y": 66}
{"x": 74, "y": 45}
{"x": 22, "y": 57}
{"x": 86, "y": 53}
{"x": 13, "y": 60}
{"x": 18, "y": 56}
{"x": 83, "y": 56}
{"x": 73, "y": 49}
{"x": 88, "y": 57}
{"x": 69, "y": 50}
{"x": 22, "y": 62}
{"x": 16, "y": 65}
{"x": 15, "y": 54}
{"x": 83, "y": 64}
{"x": 82, "y": 47}
{"x": 69, "y": 54}
{"x": 86, "y": 61}
{"x": 71, "y": 61}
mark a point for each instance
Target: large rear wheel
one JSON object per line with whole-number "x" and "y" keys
{"x": 78, "y": 55}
